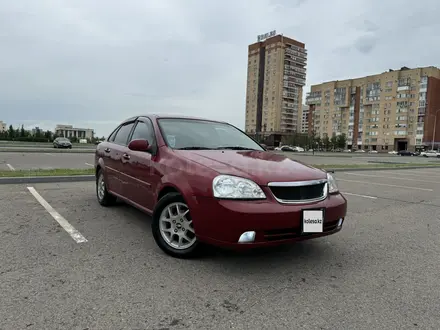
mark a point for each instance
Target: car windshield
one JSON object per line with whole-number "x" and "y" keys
{"x": 200, "y": 134}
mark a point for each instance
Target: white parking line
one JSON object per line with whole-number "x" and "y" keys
{"x": 420, "y": 173}
{"x": 75, "y": 234}
{"x": 390, "y": 177}
{"x": 10, "y": 167}
{"x": 88, "y": 164}
{"x": 357, "y": 195}
{"x": 387, "y": 185}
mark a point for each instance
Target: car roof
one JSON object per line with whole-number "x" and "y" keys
{"x": 171, "y": 116}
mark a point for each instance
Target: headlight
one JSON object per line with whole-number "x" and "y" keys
{"x": 233, "y": 187}
{"x": 332, "y": 186}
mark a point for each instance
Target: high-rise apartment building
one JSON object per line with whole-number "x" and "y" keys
{"x": 393, "y": 110}
{"x": 276, "y": 76}
{"x": 304, "y": 123}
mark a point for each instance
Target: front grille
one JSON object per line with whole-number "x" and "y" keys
{"x": 299, "y": 191}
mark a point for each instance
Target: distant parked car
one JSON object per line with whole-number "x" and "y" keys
{"x": 287, "y": 148}
{"x": 430, "y": 153}
{"x": 207, "y": 182}
{"x": 61, "y": 142}
{"x": 406, "y": 153}
{"x": 372, "y": 152}
{"x": 360, "y": 150}
{"x": 393, "y": 152}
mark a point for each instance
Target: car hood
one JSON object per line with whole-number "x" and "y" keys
{"x": 259, "y": 166}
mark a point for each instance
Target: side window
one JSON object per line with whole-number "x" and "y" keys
{"x": 112, "y": 136}
{"x": 144, "y": 130}
{"x": 123, "y": 133}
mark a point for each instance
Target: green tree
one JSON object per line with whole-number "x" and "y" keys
{"x": 11, "y": 132}
{"x": 48, "y": 135}
{"x": 22, "y": 131}
{"x": 342, "y": 141}
{"x": 38, "y": 133}
{"x": 334, "y": 141}
{"x": 318, "y": 142}
{"x": 326, "y": 142}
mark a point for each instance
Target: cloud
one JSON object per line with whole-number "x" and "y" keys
{"x": 95, "y": 63}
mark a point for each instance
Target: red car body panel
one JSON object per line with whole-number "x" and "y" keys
{"x": 141, "y": 179}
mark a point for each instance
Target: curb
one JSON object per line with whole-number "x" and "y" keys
{"x": 89, "y": 178}
{"x": 46, "y": 179}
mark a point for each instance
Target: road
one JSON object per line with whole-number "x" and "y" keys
{"x": 380, "y": 272}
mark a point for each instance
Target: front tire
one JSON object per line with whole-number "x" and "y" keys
{"x": 104, "y": 197}
{"x": 173, "y": 229}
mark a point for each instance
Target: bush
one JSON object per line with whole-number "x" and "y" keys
{"x": 31, "y": 139}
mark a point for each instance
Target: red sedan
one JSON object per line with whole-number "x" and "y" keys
{"x": 207, "y": 182}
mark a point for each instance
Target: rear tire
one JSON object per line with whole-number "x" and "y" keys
{"x": 172, "y": 226}
{"x": 104, "y": 197}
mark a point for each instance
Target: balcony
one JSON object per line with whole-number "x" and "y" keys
{"x": 403, "y": 88}
{"x": 297, "y": 53}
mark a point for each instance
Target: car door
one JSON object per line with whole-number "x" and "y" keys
{"x": 140, "y": 167}
{"x": 116, "y": 150}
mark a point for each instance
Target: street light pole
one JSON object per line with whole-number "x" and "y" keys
{"x": 433, "y": 133}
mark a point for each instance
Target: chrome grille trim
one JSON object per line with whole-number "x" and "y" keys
{"x": 300, "y": 184}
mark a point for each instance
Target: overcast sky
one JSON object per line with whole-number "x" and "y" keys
{"x": 95, "y": 63}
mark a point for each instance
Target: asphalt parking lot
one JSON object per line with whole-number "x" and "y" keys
{"x": 53, "y": 160}
{"x": 380, "y": 272}
{"x": 44, "y": 160}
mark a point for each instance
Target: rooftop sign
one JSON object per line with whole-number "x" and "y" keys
{"x": 263, "y": 37}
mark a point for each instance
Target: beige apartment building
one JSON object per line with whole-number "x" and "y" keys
{"x": 2, "y": 126}
{"x": 304, "y": 122}
{"x": 275, "y": 78}
{"x": 394, "y": 110}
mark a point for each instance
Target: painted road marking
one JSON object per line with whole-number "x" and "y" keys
{"x": 420, "y": 173}
{"x": 357, "y": 195}
{"x": 386, "y": 185}
{"x": 88, "y": 164}
{"x": 390, "y": 177}
{"x": 75, "y": 234}
{"x": 10, "y": 167}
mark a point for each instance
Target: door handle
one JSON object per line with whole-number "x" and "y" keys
{"x": 107, "y": 150}
{"x": 126, "y": 156}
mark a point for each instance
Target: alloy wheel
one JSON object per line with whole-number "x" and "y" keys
{"x": 176, "y": 227}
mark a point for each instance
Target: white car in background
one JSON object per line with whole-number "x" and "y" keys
{"x": 430, "y": 153}
{"x": 393, "y": 152}
{"x": 289, "y": 148}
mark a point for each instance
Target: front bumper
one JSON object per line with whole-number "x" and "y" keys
{"x": 222, "y": 222}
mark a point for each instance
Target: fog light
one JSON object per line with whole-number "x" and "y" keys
{"x": 340, "y": 222}
{"x": 246, "y": 237}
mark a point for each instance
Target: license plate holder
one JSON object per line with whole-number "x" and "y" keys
{"x": 312, "y": 221}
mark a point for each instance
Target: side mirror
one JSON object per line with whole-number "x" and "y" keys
{"x": 139, "y": 145}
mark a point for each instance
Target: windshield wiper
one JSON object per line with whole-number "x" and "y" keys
{"x": 236, "y": 148}
{"x": 194, "y": 148}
